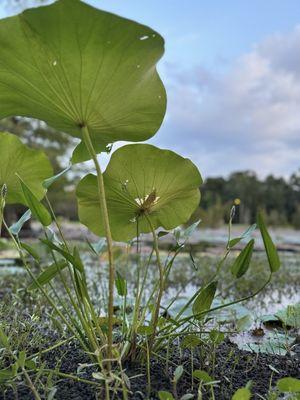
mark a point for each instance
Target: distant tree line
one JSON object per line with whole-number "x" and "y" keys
{"x": 278, "y": 198}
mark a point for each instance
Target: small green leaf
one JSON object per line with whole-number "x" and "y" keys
{"x": 162, "y": 233}
{"x": 163, "y": 395}
{"x": 190, "y": 341}
{"x": 36, "y": 207}
{"x": 178, "y": 373}
{"x": 289, "y": 385}
{"x": 145, "y": 330}
{"x": 216, "y": 336}
{"x": 17, "y": 226}
{"x": 242, "y": 394}
{"x": 48, "y": 182}
{"x": 21, "y": 359}
{"x": 7, "y": 374}
{"x": 247, "y": 232}
{"x": 242, "y": 262}
{"x": 77, "y": 263}
{"x": 98, "y": 247}
{"x": 244, "y": 323}
{"x": 46, "y": 276}
{"x": 30, "y": 250}
{"x": 273, "y": 258}
{"x": 187, "y": 233}
{"x": 187, "y": 396}
{"x": 121, "y": 285}
{"x": 204, "y": 299}
{"x": 4, "y": 341}
{"x": 81, "y": 153}
{"x": 202, "y": 376}
{"x": 30, "y": 364}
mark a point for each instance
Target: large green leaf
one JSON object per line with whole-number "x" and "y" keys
{"x": 31, "y": 165}
{"x": 72, "y": 65}
{"x": 142, "y": 183}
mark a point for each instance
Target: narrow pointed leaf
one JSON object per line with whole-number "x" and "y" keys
{"x": 98, "y": 247}
{"x": 49, "y": 182}
{"x": 17, "y": 226}
{"x": 121, "y": 285}
{"x": 36, "y": 207}
{"x": 242, "y": 262}
{"x": 273, "y": 258}
{"x": 30, "y": 250}
{"x": 46, "y": 276}
{"x": 69, "y": 257}
{"x": 247, "y": 232}
{"x": 4, "y": 341}
{"x": 204, "y": 299}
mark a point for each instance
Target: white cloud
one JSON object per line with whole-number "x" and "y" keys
{"x": 246, "y": 118}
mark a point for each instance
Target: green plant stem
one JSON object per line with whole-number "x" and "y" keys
{"x": 80, "y": 310}
{"x": 161, "y": 286}
{"x": 47, "y": 297}
{"x": 187, "y": 319}
{"x": 31, "y": 385}
{"x": 2, "y": 204}
{"x": 103, "y": 204}
{"x": 70, "y": 376}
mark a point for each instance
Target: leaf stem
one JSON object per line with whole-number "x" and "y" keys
{"x": 161, "y": 285}
{"x": 103, "y": 205}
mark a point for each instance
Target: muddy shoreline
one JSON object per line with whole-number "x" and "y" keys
{"x": 233, "y": 369}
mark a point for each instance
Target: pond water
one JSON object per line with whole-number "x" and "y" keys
{"x": 185, "y": 279}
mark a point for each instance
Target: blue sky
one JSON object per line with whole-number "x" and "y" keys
{"x": 232, "y": 72}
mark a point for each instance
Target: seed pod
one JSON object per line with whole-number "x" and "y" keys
{"x": 3, "y": 191}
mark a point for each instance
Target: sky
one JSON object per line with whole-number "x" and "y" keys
{"x": 232, "y": 74}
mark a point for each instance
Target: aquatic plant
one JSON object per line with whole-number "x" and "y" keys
{"x": 92, "y": 74}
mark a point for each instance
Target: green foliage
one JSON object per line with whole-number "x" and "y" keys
{"x": 93, "y": 75}
{"x": 242, "y": 394}
{"x": 203, "y": 376}
{"x": 46, "y": 276}
{"x": 17, "y": 226}
{"x": 289, "y": 385}
{"x": 278, "y": 197}
{"x": 204, "y": 299}
{"x": 74, "y": 76}
{"x": 163, "y": 395}
{"x": 36, "y": 207}
{"x": 142, "y": 183}
{"x": 242, "y": 262}
{"x": 273, "y": 258}
{"x": 31, "y": 165}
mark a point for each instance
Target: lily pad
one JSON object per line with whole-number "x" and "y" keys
{"x": 72, "y": 65}
{"x": 30, "y": 164}
{"x": 290, "y": 316}
{"x": 143, "y": 183}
